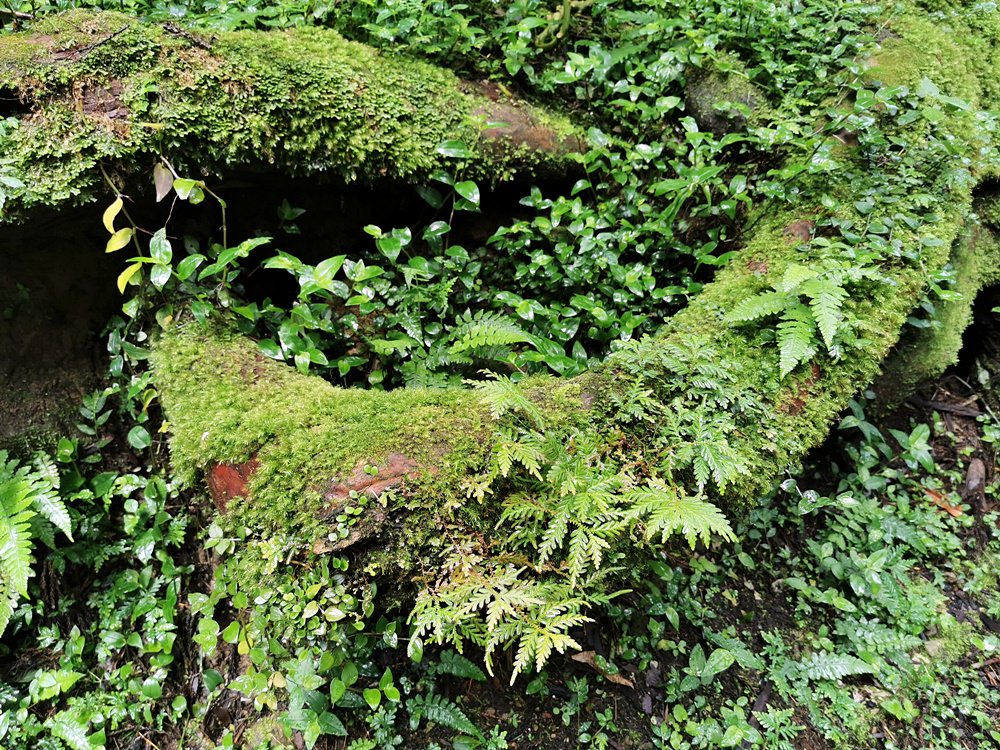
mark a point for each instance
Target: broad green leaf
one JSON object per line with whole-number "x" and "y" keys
{"x": 188, "y": 266}
{"x": 372, "y": 697}
{"x": 337, "y": 690}
{"x": 326, "y": 270}
{"x": 720, "y": 660}
{"x": 232, "y": 632}
{"x": 468, "y": 190}
{"x": 190, "y": 190}
{"x": 138, "y": 438}
{"x": 159, "y": 275}
{"x": 454, "y": 150}
{"x": 159, "y": 247}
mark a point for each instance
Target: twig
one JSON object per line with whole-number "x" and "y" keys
{"x": 962, "y": 411}
{"x": 20, "y": 15}
{"x": 91, "y": 47}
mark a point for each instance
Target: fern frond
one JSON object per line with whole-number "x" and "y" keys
{"x": 486, "y": 329}
{"x": 50, "y": 506}
{"x": 826, "y": 666}
{"x": 523, "y": 449}
{"x": 15, "y": 543}
{"x": 764, "y": 305}
{"x": 794, "y": 275}
{"x": 826, "y": 299}
{"x": 502, "y": 397}
{"x": 440, "y": 710}
{"x": 456, "y": 665}
{"x": 665, "y": 510}
{"x": 796, "y": 337}
{"x": 553, "y": 537}
{"x": 536, "y": 646}
{"x": 71, "y": 729}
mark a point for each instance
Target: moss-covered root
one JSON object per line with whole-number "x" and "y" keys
{"x": 288, "y": 452}
{"x": 924, "y": 353}
{"x": 104, "y": 87}
{"x": 289, "y": 449}
{"x": 228, "y": 406}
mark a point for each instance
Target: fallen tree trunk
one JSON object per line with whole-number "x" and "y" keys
{"x": 89, "y": 89}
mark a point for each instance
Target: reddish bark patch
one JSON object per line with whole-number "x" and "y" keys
{"x": 516, "y": 126}
{"x": 757, "y": 266}
{"x": 227, "y": 481}
{"x": 397, "y": 468}
{"x": 800, "y": 230}
{"x": 797, "y": 403}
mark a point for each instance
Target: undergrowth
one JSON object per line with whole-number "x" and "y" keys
{"x": 142, "y": 630}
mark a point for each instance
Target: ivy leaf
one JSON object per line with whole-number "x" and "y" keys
{"x": 469, "y": 191}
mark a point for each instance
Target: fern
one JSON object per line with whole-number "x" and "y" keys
{"x": 666, "y": 510}
{"x": 47, "y": 501}
{"x": 71, "y": 729}
{"x": 440, "y": 710}
{"x": 456, "y": 665}
{"x": 16, "y": 501}
{"x": 796, "y": 337}
{"x": 23, "y": 496}
{"x": 827, "y": 666}
{"x": 486, "y": 330}
{"x": 495, "y": 606}
{"x": 826, "y": 301}
{"x": 808, "y": 300}
{"x": 764, "y": 305}
{"x": 503, "y": 397}
{"x": 510, "y": 449}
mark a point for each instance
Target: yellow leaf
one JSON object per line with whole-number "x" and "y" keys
{"x": 110, "y": 213}
{"x": 126, "y": 275}
{"x": 119, "y": 240}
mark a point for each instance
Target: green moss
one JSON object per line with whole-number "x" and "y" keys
{"x": 727, "y": 82}
{"x": 226, "y": 403}
{"x": 925, "y": 353}
{"x": 104, "y": 87}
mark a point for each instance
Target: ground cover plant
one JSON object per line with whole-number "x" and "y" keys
{"x": 597, "y": 570}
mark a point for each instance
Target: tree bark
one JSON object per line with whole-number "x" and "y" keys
{"x": 103, "y": 89}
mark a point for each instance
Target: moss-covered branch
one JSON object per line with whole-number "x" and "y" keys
{"x": 716, "y": 407}
{"x": 788, "y": 415}
{"x": 103, "y": 87}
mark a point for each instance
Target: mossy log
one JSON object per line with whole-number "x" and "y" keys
{"x": 286, "y": 452}
{"x": 103, "y": 89}
{"x": 293, "y": 447}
